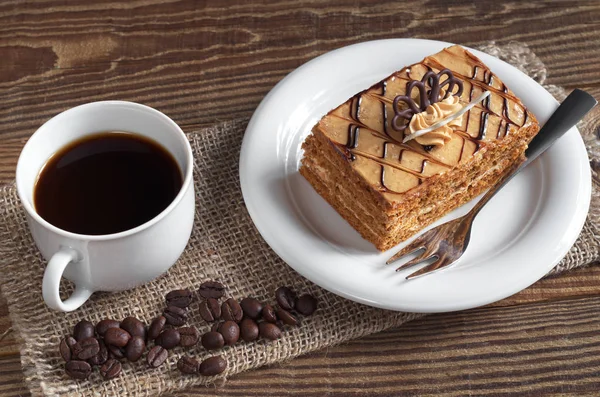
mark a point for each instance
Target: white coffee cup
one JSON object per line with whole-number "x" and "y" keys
{"x": 116, "y": 261}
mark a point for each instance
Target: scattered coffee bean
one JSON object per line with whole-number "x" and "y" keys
{"x": 269, "y": 331}
{"x": 85, "y": 348}
{"x": 111, "y": 369}
{"x": 115, "y": 352}
{"x": 65, "y": 347}
{"x": 189, "y": 336}
{"x": 230, "y": 331}
{"x": 105, "y": 324}
{"x": 307, "y": 304}
{"x": 175, "y": 316}
{"x": 211, "y": 289}
{"x": 156, "y": 327}
{"x": 188, "y": 365}
{"x": 286, "y": 317}
{"x": 134, "y": 326}
{"x": 71, "y": 342}
{"x": 157, "y": 356}
{"x": 78, "y": 369}
{"x": 268, "y": 314}
{"x": 213, "y": 340}
{"x": 135, "y": 348}
{"x": 215, "y": 327}
{"x": 168, "y": 339}
{"x": 83, "y": 330}
{"x": 179, "y": 297}
{"x": 252, "y": 307}
{"x": 286, "y": 298}
{"x": 212, "y": 366}
{"x": 210, "y": 310}
{"x": 102, "y": 355}
{"x": 248, "y": 330}
{"x": 232, "y": 311}
{"x": 117, "y": 337}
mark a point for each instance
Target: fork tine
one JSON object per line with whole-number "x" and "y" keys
{"x": 421, "y": 258}
{"x": 439, "y": 264}
{"x": 409, "y": 249}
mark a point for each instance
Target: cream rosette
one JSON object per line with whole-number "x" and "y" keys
{"x": 433, "y": 114}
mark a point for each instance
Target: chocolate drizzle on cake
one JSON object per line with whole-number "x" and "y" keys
{"x": 353, "y": 131}
{"x": 357, "y": 100}
{"x": 483, "y": 126}
{"x": 429, "y": 88}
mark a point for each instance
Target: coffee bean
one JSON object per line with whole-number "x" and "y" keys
{"x": 232, "y": 311}
{"x": 135, "y": 348}
{"x": 78, "y": 369}
{"x": 179, "y": 297}
{"x": 212, "y": 366}
{"x": 134, "y": 326}
{"x": 168, "y": 339}
{"x": 248, "y": 330}
{"x": 105, "y": 324}
{"x": 213, "y": 340}
{"x": 156, "y": 327}
{"x": 189, "y": 336}
{"x": 286, "y": 317}
{"x": 117, "y": 337}
{"x": 211, "y": 289}
{"x": 188, "y": 365}
{"x": 65, "y": 347}
{"x": 83, "y": 330}
{"x": 268, "y": 314}
{"x": 252, "y": 307}
{"x": 230, "y": 331}
{"x": 269, "y": 331}
{"x": 115, "y": 352}
{"x": 175, "y": 316}
{"x": 157, "y": 356}
{"x": 102, "y": 355}
{"x": 215, "y": 327}
{"x": 111, "y": 369}
{"x": 71, "y": 341}
{"x": 210, "y": 310}
{"x": 85, "y": 348}
{"x": 307, "y": 304}
{"x": 286, "y": 298}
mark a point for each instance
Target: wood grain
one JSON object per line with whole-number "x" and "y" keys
{"x": 206, "y": 61}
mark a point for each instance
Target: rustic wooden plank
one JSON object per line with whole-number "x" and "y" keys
{"x": 201, "y": 65}
{"x": 189, "y": 59}
{"x": 577, "y": 283}
{"x": 506, "y": 352}
{"x": 535, "y": 349}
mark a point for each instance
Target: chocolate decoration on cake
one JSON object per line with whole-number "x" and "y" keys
{"x": 426, "y": 97}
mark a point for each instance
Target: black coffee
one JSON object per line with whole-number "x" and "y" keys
{"x": 106, "y": 183}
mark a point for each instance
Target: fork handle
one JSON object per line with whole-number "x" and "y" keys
{"x": 570, "y": 111}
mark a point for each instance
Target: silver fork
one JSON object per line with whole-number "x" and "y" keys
{"x": 447, "y": 242}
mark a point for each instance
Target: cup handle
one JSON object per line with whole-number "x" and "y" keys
{"x": 51, "y": 283}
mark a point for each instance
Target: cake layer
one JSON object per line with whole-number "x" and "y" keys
{"x": 388, "y": 229}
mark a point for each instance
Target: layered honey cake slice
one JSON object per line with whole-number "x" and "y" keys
{"x": 427, "y": 139}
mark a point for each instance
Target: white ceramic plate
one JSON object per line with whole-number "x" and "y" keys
{"x": 517, "y": 238}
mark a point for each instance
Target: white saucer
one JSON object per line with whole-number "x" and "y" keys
{"x": 517, "y": 238}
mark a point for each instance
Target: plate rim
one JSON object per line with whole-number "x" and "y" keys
{"x": 571, "y": 233}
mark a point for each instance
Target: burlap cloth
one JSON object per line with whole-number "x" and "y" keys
{"x": 224, "y": 246}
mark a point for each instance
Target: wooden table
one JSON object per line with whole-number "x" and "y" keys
{"x": 202, "y": 62}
